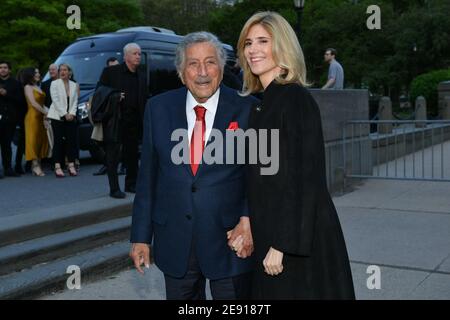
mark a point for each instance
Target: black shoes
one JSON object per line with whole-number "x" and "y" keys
{"x": 117, "y": 194}
{"x": 131, "y": 189}
{"x": 101, "y": 171}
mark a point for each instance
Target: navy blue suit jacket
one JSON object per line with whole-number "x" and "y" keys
{"x": 175, "y": 210}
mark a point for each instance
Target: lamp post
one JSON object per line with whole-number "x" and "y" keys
{"x": 299, "y": 5}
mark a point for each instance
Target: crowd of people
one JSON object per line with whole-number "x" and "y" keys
{"x": 44, "y": 117}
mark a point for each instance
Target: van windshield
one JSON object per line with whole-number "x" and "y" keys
{"x": 87, "y": 67}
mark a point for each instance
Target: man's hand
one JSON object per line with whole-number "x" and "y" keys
{"x": 273, "y": 263}
{"x": 140, "y": 254}
{"x": 69, "y": 117}
{"x": 3, "y": 92}
{"x": 240, "y": 239}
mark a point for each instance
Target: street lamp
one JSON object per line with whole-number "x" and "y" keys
{"x": 299, "y": 5}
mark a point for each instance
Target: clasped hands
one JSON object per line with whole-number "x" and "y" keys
{"x": 240, "y": 239}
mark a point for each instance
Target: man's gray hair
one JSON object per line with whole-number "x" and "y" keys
{"x": 198, "y": 37}
{"x": 130, "y": 46}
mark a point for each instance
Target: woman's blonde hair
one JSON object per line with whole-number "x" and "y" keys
{"x": 286, "y": 50}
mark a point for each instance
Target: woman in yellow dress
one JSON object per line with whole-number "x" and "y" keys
{"x": 36, "y": 141}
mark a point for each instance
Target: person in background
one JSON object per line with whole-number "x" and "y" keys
{"x": 63, "y": 119}
{"x": 131, "y": 81}
{"x": 36, "y": 141}
{"x": 335, "y": 71}
{"x": 45, "y": 86}
{"x": 20, "y": 152}
{"x": 10, "y": 110}
{"x": 111, "y": 61}
{"x": 299, "y": 246}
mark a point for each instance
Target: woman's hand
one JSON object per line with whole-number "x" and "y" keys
{"x": 273, "y": 263}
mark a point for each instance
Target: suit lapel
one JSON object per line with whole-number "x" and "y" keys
{"x": 179, "y": 120}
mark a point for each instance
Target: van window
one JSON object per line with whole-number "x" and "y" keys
{"x": 87, "y": 67}
{"x": 162, "y": 72}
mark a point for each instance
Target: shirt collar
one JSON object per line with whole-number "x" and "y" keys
{"x": 209, "y": 105}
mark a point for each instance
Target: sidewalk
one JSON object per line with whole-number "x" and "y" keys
{"x": 401, "y": 226}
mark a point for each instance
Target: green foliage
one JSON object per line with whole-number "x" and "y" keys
{"x": 426, "y": 85}
{"x": 181, "y": 16}
{"x": 34, "y": 32}
{"x": 383, "y": 60}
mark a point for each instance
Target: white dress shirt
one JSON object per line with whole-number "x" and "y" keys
{"x": 211, "y": 108}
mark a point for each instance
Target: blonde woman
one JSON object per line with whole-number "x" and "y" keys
{"x": 62, "y": 113}
{"x": 36, "y": 142}
{"x": 299, "y": 246}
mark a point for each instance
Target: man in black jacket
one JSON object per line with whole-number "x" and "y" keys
{"x": 132, "y": 83}
{"x": 11, "y": 100}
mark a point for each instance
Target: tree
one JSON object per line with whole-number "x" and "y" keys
{"x": 34, "y": 32}
{"x": 182, "y": 16}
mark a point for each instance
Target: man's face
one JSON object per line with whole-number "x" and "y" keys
{"x": 327, "y": 56}
{"x": 53, "y": 71}
{"x": 4, "y": 70}
{"x": 202, "y": 72}
{"x": 133, "y": 57}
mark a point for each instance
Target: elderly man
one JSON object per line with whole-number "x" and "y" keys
{"x": 187, "y": 209}
{"x": 131, "y": 82}
{"x": 45, "y": 86}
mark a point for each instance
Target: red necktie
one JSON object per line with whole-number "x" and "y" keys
{"x": 198, "y": 138}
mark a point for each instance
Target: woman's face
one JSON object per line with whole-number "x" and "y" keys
{"x": 37, "y": 76}
{"x": 258, "y": 53}
{"x": 63, "y": 73}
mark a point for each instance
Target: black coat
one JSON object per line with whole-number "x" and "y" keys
{"x": 292, "y": 211}
{"x": 106, "y": 109}
{"x": 113, "y": 77}
{"x": 45, "y": 86}
{"x": 12, "y": 105}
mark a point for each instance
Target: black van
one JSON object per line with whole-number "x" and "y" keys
{"x": 87, "y": 56}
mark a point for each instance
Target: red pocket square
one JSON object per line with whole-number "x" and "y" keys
{"x": 233, "y": 126}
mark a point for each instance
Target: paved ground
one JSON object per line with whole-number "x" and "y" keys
{"x": 30, "y": 193}
{"x": 401, "y": 226}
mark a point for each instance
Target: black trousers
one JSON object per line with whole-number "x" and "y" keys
{"x": 126, "y": 151}
{"x": 6, "y": 136}
{"x": 64, "y": 130}
{"x": 192, "y": 285}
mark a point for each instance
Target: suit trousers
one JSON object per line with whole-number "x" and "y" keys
{"x": 6, "y": 136}
{"x": 127, "y": 151}
{"x": 192, "y": 286}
